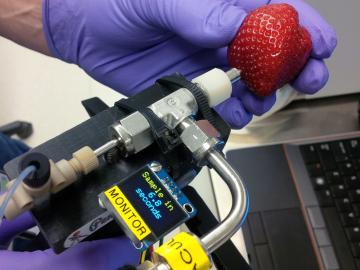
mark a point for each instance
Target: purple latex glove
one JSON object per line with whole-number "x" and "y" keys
{"x": 9, "y": 229}
{"x": 128, "y": 44}
{"x": 109, "y": 254}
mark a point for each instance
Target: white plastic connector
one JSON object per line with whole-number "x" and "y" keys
{"x": 216, "y": 85}
{"x": 20, "y": 202}
{"x": 62, "y": 174}
{"x": 84, "y": 160}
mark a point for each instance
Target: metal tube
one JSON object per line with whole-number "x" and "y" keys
{"x": 106, "y": 147}
{"x": 233, "y": 74}
{"x": 228, "y": 227}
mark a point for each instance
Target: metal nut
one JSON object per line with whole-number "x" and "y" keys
{"x": 197, "y": 140}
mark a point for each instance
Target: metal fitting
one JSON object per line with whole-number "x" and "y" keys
{"x": 134, "y": 132}
{"x": 176, "y": 107}
{"x": 197, "y": 140}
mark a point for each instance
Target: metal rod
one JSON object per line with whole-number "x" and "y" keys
{"x": 228, "y": 227}
{"x": 234, "y": 75}
{"x": 106, "y": 147}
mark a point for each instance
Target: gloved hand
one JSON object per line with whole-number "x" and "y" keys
{"x": 109, "y": 254}
{"x": 128, "y": 44}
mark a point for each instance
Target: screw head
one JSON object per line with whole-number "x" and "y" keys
{"x": 155, "y": 166}
{"x": 171, "y": 102}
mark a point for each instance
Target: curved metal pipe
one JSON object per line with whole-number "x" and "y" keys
{"x": 231, "y": 224}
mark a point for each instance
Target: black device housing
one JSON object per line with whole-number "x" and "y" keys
{"x": 61, "y": 214}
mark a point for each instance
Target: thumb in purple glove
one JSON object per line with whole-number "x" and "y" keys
{"x": 10, "y": 229}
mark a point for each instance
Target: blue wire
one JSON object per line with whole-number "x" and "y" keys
{"x": 247, "y": 208}
{"x": 13, "y": 188}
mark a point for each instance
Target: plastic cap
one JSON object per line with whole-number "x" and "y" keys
{"x": 216, "y": 86}
{"x": 87, "y": 159}
{"x": 42, "y": 174}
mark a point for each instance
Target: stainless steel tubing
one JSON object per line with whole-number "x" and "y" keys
{"x": 233, "y": 74}
{"x": 106, "y": 147}
{"x": 231, "y": 224}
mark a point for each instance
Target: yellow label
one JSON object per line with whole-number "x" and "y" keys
{"x": 127, "y": 212}
{"x": 184, "y": 252}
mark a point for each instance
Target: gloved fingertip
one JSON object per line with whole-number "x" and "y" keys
{"x": 234, "y": 113}
{"x": 313, "y": 77}
{"x": 252, "y": 103}
{"x": 258, "y": 105}
{"x": 9, "y": 229}
{"x": 324, "y": 41}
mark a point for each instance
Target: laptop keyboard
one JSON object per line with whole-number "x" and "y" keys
{"x": 334, "y": 168}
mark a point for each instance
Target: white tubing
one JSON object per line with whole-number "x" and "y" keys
{"x": 216, "y": 86}
{"x": 13, "y": 188}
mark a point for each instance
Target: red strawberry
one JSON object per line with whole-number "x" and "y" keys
{"x": 270, "y": 48}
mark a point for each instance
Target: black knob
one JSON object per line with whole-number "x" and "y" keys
{"x": 42, "y": 173}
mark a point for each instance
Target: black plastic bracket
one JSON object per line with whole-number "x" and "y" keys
{"x": 62, "y": 214}
{"x": 94, "y": 105}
